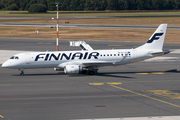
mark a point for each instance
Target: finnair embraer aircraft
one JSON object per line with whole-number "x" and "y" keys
{"x": 88, "y": 60}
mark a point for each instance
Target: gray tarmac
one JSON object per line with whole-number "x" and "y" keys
{"x": 143, "y": 89}
{"x": 88, "y": 26}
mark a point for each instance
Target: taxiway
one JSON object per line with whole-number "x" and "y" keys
{"x": 143, "y": 89}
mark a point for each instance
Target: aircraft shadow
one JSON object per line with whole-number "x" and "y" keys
{"x": 116, "y": 74}
{"x": 106, "y": 74}
{"x": 99, "y": 74}
{"x": 42, "y": 74}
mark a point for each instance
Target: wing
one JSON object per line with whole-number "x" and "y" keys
{"x": 87, "y": 64}
{"x": 96, "y": 63}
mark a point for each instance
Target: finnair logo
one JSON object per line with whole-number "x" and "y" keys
{"x": 66, "y": 56}
{"x": 156, "y": 36}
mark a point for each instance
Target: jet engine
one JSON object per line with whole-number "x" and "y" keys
{"x": 72, "y": 69}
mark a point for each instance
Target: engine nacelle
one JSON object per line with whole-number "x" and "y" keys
{"x": 72, "y": 69}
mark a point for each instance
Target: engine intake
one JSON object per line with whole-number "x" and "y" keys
{"x": 72, "y": 69}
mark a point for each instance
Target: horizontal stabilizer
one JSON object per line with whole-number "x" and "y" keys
{"x": 160, "y": 53}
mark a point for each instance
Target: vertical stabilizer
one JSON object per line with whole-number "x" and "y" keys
{"x": 156, "y": 41}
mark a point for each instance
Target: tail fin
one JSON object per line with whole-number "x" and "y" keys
{"x": 156, "y": 41}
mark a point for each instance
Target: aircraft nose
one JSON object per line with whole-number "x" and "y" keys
{"x": 5, "y": 64}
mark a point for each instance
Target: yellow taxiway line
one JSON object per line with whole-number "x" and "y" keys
{"x": 145, "y": 96}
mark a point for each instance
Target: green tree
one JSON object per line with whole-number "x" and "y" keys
{"x": 13, "y": 7}
{"x": 37, "y": 8}
{"x": 93, "y": 4}
{"x": 77, "y": 5}
{"x": 132, "y": 4}
{"x": 169, "y": 4}
{"x": 102, "y": 5}
{"x": 176, "y": 4}
{"x": 112, "y": 5}
{"x": 65, "y": 5}
{"x": 1, "y": 5}
{"x": 23, "y": 4}
{"x": 50, "y": 5}
{"x": 140, "y": 4}
{"x": 8, "y": 3}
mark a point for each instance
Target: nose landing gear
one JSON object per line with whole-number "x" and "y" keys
{"x": 22, "y": 72}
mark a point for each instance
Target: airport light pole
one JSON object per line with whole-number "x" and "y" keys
{"x": 57, "y": 41}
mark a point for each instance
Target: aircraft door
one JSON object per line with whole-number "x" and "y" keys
{"x": 28, "y": 58}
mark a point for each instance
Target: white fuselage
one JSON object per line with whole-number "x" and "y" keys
{"x": 63, "y": 58}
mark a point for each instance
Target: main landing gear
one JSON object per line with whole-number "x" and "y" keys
{"x": 22, "y": 72}
{"x": 91, "y": 72}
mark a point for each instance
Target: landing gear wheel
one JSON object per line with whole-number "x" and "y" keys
{"x": 22, "y": 74}
{"x": 84, "y": 72}
{"x": 91, "y": 72}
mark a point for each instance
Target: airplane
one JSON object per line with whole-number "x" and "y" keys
{"x": 88, "y": 60}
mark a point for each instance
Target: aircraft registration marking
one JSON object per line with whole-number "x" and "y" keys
{"x": 164, "y": 93}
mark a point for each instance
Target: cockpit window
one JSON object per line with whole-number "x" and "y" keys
{"x": 12, "y": 57}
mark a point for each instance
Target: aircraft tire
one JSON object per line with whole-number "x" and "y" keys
{"x": 84, "y": 72}
{"x": 22, "y": 74}
{"x": 91, "y": 72}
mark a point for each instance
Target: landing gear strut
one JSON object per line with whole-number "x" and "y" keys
{"x": 22, "y": 72}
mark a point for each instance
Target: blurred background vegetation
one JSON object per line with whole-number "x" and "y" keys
{"x": 91, "y": 5}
